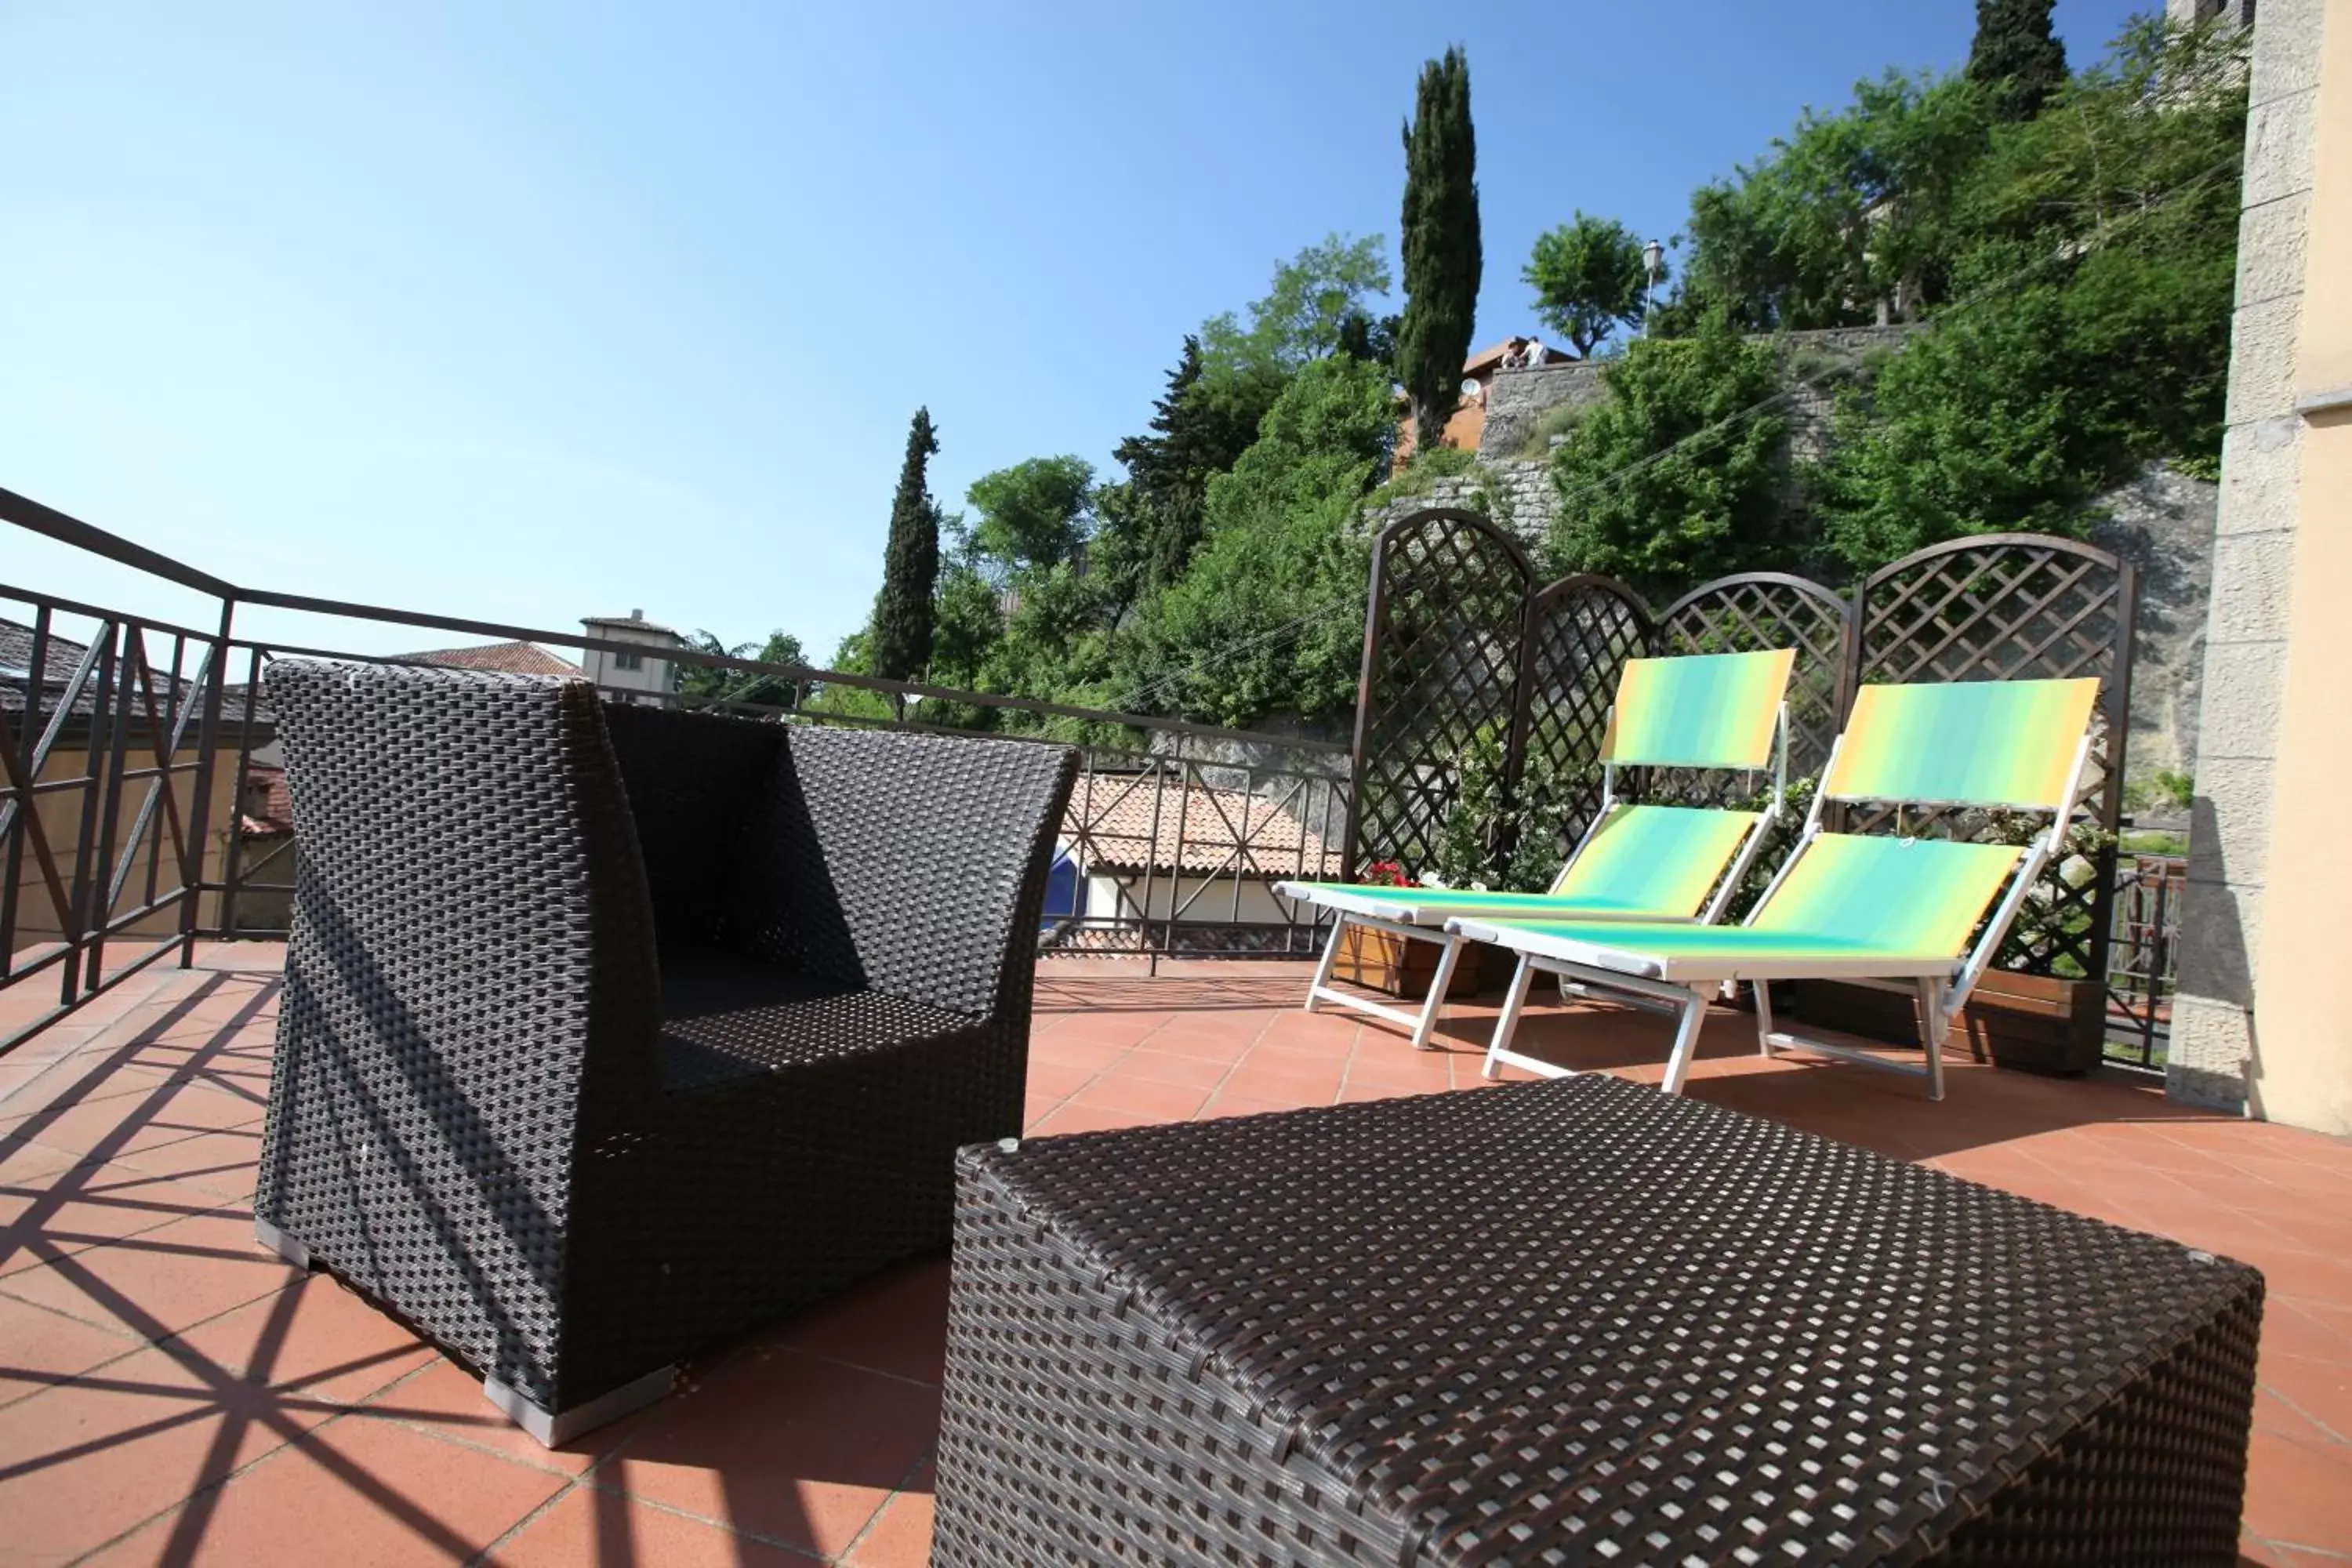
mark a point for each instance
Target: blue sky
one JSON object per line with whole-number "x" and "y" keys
{"x": 527, "y": 311}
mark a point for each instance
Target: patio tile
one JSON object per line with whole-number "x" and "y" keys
{"x": 894, "y": 1323}
{"x": 900, "y": 1537}
{"x": 445, "y": 1401}
{"x": 1089, "y": 1056}
{"x": 589, "y": 1526}
{"x": 2296, "y": 1488}
{"x": 86, "y": 1206}
{"x": 40, "y": 1349}
{"x": 315, "y": 1343}
{"x": 219, "y": 1162}
{"x": 783, "y": 1446}
{"x": 1060, "y": 1079}
{"x": 160, "y": 1281}
{"x": 1172, "y": 1066}
{"x": 812, "y": 1437}
{"x": 1147, "y": 1098}
{"x": 88, "y": 1461}
{"x": 350, "y": 1492}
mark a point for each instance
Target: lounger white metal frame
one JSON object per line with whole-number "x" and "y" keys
{"x": 1379, "y": 911}
{"x": 1943, "y": 984}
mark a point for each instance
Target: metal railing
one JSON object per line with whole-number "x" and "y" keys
{"x": 127, "y": 743}
{"x": 2143, "y": 951}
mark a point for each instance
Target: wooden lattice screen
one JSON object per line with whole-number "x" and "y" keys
{"x": 2017, "y": 607}
{"x": 1580, "y": 631}
{"x": 1442, "y": 654}
{"x": 1459, "y": 640}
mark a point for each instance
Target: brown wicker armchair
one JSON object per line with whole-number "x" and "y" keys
{"x": 610, "y": 1031}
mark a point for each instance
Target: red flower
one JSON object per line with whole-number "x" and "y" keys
{"x": 1385, "y": 873}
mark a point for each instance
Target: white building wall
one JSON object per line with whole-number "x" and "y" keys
{"x": 642, "y": 672}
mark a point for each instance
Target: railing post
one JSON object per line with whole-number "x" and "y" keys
{"x": 100, "y": 904}
{"x": 2111, "y": 792}
{"x": 215, "y": 677}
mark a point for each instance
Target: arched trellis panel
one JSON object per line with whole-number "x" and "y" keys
{"x": 1753, "y": 611}
{"x": 1442, "y": 648}
{"x": 1580, "y": 631}
{"x": 1445, "y": 663}
{"x": 2017, "y": 607}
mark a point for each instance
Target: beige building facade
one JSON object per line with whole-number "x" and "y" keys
{"x": 2262, "y": 1022}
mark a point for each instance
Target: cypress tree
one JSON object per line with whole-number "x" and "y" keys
{"x": 2016, "y": 58}
{"x": 910, "y": 564}
{"x": 1442, "y": 256}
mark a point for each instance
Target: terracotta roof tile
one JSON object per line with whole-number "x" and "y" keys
{"x": 513, "y": 658}
{"x": 1111, "y": 825}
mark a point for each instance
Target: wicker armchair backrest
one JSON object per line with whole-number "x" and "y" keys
{"x": 471, "y": 970}
{"x": 911, "y": 864}
{"x": 695, "y": 780}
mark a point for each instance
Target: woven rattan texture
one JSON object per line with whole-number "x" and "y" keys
{"x": 479, "y": 1111}
{"x": 1570, "y": 1322}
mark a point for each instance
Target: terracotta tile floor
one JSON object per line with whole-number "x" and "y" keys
{"x": 170, "y": 1393}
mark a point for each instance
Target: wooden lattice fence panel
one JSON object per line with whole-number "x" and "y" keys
{"x": 1760, "y": 610}
{"x": 1582, "y": 630}
{"x": 2017, "y": 607}
{"x": 1442, "y": 655}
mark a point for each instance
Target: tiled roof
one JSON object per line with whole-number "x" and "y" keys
{"x": 513, "y": 658}
{"x": 1117, "y": 815}
{"x": 58, "y": 660}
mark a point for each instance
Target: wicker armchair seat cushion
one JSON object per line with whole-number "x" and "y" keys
{"x": 725, "y": 1018}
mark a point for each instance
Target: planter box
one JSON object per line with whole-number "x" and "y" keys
{"x": 1382, "y": 961}
{"x": 2032, "y": 1023}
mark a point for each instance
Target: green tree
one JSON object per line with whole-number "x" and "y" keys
{"x": 1033, "y": 516}
{"x": 910, "y": 563}
{"x": 1966, "y": 431}
{"x": 1319, "y": 298}
{"x": 1441, "y": 255}
{"x": 1589, "y": 279}
{"x": 2092, "y": 332}
{"x": 2015, "y": 57}
{"x": 1197, "y": 430}
{"x": 1671, "y": 481}
{"x": 1281, "y": 544}
{"x": 741, "y": 685}
{"x": 1850, "y": 214}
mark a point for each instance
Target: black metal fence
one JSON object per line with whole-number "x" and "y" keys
{"x": 134, "y": 755}
{"x": 2143, "y": 953}
{"x": 1461, "y": 640}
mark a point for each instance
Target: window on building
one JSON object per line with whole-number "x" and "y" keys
{"x": 628, "y": 661}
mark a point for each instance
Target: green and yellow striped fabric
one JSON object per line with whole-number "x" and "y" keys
{"x": 1975, "y": 742}
{"x": 1852, "y": 905}
{"x": 1698, "y": 710}
{"x": 1643, "y": 862}
{"x": 1665, "y": 858}
{"x": 1899, "y": 895}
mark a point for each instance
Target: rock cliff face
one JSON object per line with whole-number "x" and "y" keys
{"x": 2162, "y": 522}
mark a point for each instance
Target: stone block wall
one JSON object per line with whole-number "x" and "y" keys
{"x": 2252, "y": 557}
{"x": 1518, "y": 400}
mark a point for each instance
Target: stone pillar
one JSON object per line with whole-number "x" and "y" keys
{"x": 2215, "y": 1039}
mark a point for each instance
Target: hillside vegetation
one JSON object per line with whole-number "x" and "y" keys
{"x": 2071, "y": 251}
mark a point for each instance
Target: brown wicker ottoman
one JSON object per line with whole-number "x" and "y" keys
{"x": 1570, "y": 1322}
